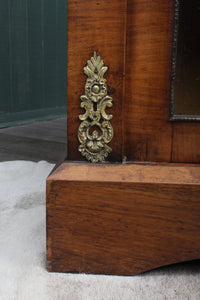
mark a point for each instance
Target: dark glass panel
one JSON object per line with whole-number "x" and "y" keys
{"x": 187, "y": 80}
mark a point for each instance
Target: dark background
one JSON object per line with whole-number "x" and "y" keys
{"x": 187, "y": 82}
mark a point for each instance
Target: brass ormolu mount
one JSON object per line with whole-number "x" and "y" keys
{"x": 95, "y": 130}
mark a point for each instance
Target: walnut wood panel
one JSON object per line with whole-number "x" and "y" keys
{"x": 95, "y": 26}
{"x": 142, "y": 130}
{"x": 124, "y": 226}
{"x": 186, "y": 142}
{"x": 148, "y": 57}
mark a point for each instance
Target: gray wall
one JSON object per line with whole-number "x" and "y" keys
{"x": 33, "y": 60}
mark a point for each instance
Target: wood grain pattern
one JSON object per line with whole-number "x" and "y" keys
{"x": 95, "y": 26}
{"x": 148, "y": 133}
{"x": 124, "y": 219}
{"x": 149, "y": 35}
{"x": 134, "y": 38}
{"x": 125, "y": 226}
{"x": 141, "y": 173}
{"x": 186, "y": 142}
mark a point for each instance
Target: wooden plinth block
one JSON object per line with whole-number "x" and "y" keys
{"x": 122, "y": 219}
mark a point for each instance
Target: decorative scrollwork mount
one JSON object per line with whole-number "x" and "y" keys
{"x": 95, "y": 130}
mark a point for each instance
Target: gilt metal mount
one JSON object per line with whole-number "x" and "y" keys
{"x": 95, "y": 130}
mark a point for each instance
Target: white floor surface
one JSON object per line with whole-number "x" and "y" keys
{"x": 23, "y": 274}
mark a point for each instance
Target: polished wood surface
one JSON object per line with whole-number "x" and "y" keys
{"x": 141, "y": 173}
{"x": 147, "y": 130}
{"x": 134, "y": 38}
{"x": 148, "y": 133}
{"x": 146, "y": 217}
{"x": 125, "y": 218}
{"x": 186, "y": 142}
{"x": 95, "y": 26}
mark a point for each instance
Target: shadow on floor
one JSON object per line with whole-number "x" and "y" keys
{"x": 35, "y": 141}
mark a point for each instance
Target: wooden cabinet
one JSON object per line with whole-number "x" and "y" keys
{"x": 134, "y": 38}
{"x": 141, "y": 209}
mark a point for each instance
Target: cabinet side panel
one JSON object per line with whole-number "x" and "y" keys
{"x": 95, "y": 26}
{"x": 148, "y": 132}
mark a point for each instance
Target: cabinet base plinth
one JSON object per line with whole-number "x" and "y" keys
{"x": 122, "y": 219}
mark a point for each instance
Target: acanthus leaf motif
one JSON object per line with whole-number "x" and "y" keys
{"x": 95, "y": 130}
